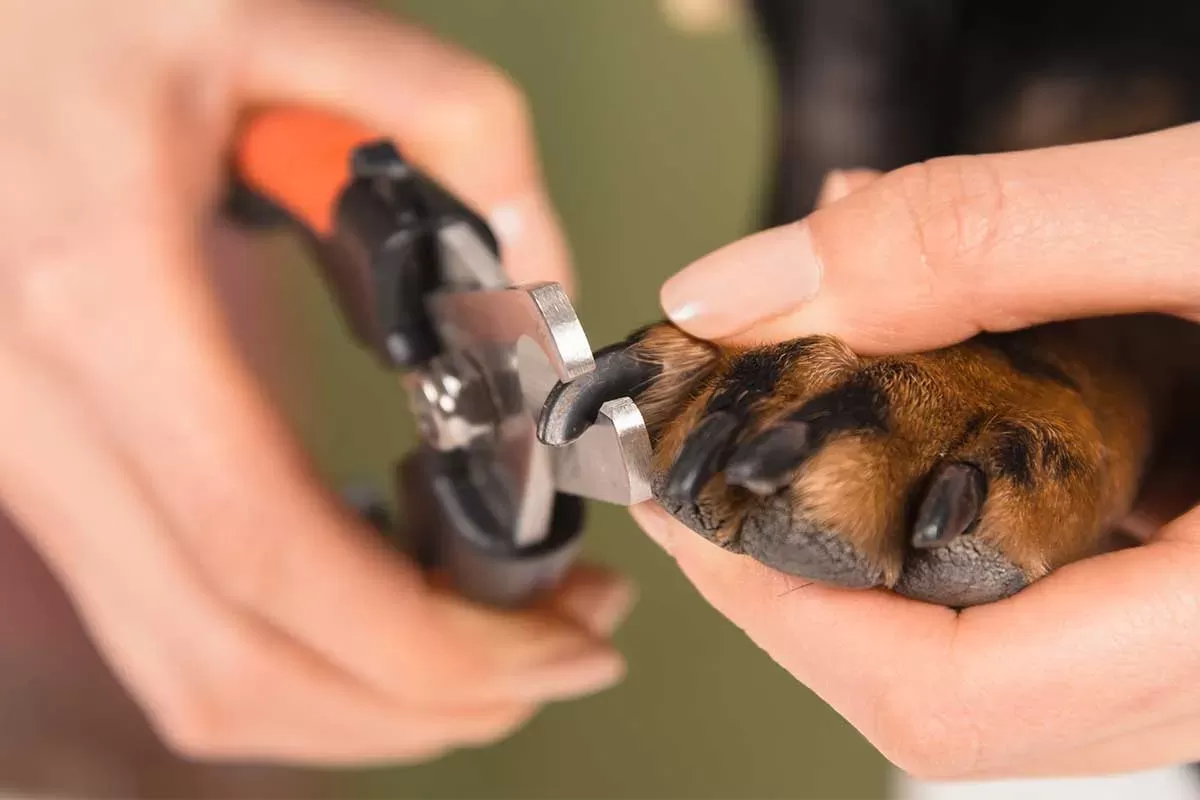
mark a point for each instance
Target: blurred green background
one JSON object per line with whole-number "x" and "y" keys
{"x": 654, "y": 144}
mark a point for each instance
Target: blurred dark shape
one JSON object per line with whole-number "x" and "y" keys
{"x": 884, "y": 83}
{"x": 69, "y": 729}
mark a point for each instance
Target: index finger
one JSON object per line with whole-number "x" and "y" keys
{"x": 933, "y": 253}
{"x": 459, "y": 119}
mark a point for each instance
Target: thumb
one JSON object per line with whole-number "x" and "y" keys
{"x": 934, "y": 253}
{"x": 459, "y": 119}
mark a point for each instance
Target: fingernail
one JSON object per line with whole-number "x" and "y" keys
{"x": 699, "y": 16}
{"x": 757, "y": 278}
{"x": 508, "y": 223}
{"x": 531, "y": 656}
{"x": 841, "y": 182}
{"x": 531, "y": 241}
{"x": 835, "y": 187}
{"x": 601, "y": 607}
{"x": 576, "y": 677}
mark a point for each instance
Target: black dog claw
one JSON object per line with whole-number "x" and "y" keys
{"x": 703, "y": 455}
{"x": 766, "y": 463}
{"x": 951, "y": 505}
{"x": 571, "y": 408}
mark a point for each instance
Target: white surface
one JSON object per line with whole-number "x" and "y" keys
{"x": 1166, "y": 784}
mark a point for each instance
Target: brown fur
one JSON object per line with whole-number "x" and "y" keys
{"x": 1062, "y": 420}
{"x": 1059, "y": 425}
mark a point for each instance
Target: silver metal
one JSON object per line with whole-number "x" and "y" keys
{"x": 487, "y": 308}
{"x": 468, "y": 263}
{"x": 610, "y": 462}
{"x": 512, "y": 344}
{"x": 540, "y": 312}
{"x": 450, "y": 407}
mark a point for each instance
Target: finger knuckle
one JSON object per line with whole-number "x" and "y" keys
{"x": 246, "y": 573}
{"x": 59, "y": 288}
{"x": 499, "y": 725}
{"x": 925, "y": 736}
{"x": 192, "y": 725}
{"x": 52, "y": 310}
{"x": 955, "y": 206}
{"x": 482, "y": 100}
{"x": 254, "y": 571}
{"x": 191, "y": 737}
{"x": 446, "y": 678}
{"x": 203, "y": 715}
{"x": 36, "y": 303}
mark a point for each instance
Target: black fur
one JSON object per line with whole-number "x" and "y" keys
{"x": 883, "y": 83}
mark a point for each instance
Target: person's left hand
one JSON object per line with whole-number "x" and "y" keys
{"x": 1090, "y": 670}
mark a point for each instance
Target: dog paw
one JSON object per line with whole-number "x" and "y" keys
{"x": 957, "y": 476}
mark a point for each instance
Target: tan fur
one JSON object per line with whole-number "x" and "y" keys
{"x": 1125, "y": 372}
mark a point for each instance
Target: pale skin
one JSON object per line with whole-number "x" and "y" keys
{"x": 1094, "y": 669}
{"x": 252, "y": 617}
{"x": 244, "y": 608}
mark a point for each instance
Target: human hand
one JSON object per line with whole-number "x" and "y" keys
{"x": 1090, "y": 670}
{"x": 243, "y": 607}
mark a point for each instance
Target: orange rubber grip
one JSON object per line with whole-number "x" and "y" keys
{"x": 299, "y": 159}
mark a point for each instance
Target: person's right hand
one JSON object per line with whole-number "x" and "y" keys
{"x": 250, "y": 615}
